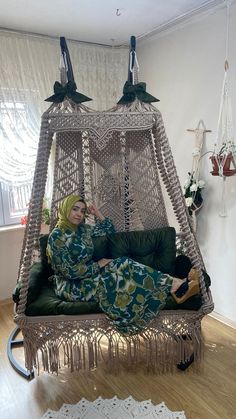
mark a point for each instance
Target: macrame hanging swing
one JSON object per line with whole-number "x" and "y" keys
{"x": 116, "y": 159}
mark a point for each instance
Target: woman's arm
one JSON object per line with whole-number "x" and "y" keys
{"x": 92, "y": 209}
{"x": 103, "y": 225}
{"x": 69, "y": 256}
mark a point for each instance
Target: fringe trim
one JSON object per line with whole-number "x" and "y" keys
{"x": 154, "y": 350}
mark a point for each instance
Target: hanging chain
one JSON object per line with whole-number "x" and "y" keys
{"x": 134, "y": 69}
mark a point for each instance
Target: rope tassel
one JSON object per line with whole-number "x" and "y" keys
{"x": 158, "y": 349}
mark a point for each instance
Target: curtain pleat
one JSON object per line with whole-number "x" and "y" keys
{"x": 29, "y": 68}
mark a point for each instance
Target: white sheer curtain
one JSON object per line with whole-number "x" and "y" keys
{"x": 29, "y": 68}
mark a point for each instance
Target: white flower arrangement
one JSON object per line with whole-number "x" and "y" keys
{"x": 201, "y": 184}
{"x": 193, "y": 193}
{"x": 189, "y": 201}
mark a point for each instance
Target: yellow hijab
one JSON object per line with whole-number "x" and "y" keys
{"x": 65, "y": 208}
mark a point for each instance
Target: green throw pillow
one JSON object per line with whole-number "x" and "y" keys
{"x": 43, "y": 241}
{"x": 100, "y": 248}
{"x": 155, "y": 248}
{"x": 38, "y": 277}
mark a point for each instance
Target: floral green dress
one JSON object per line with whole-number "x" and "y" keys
{"x": 131, "y": 294}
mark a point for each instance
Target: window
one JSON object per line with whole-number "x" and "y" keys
{"x": 14, "y": 202}
{"x": 18, "y": 139}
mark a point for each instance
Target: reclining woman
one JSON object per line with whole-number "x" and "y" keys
{"x": 129, "y": 293}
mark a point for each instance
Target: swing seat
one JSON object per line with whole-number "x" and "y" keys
{"x": 155, "y": 248}
{"x": 77, "y": 328}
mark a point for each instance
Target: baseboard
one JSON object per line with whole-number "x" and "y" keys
{"x": 223, "y": 319}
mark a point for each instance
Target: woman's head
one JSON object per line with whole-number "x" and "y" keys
{"x": 72, "y": 212}
{"x": 77, "y": 213}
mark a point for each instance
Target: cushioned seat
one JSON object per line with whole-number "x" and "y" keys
{"x": 155, "y": 248}
{"x": 47, "y": 304}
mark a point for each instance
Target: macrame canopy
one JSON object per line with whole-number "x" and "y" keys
{"x": 120, "y": 159}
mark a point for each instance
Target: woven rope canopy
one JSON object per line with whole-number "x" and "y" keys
{"x": 119, "y": 159}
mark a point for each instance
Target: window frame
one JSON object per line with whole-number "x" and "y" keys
{"x": 10, "y": 193}
{"x": 7, "y": 215}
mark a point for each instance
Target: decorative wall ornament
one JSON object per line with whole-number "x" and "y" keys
{"x": 194, "y": 185}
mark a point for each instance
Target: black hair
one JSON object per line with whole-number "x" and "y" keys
{"x": 183, "y": 265}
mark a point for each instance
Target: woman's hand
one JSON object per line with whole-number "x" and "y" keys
{"x": 103, "y": 262}
{"x": 92, "y": 209}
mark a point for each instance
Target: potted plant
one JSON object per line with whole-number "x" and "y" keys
{"x": 223, "y": 161}
{"x": 45, "y": 217}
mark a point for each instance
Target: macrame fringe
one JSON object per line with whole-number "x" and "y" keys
{"x": 154, "y": 350}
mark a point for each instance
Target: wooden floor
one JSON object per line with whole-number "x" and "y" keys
{"x": 208, "y": 394}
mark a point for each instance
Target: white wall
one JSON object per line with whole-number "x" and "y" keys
{"x": 184, "y": 69}
{"x": 10, "y": 250}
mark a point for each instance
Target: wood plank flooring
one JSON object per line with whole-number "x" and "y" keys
{"x": 207, "y": 394}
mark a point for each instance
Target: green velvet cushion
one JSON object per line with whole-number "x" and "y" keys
{"x": 39, "y": 274}
{"x": 43, "y": 241}
{"x": 100, "y": 248}
{"x": 154, "y": 248}
{"x": 207, "y": 279}
{"x": 48, "y": 304}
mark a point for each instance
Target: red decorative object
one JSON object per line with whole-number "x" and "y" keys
{"x": 23, "y": 220}
{"x": 227, "y": 171}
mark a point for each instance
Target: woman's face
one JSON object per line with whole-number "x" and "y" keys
{"x": 77, "y": 214}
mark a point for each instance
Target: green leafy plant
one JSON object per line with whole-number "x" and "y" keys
{"x": 46, "y": 216}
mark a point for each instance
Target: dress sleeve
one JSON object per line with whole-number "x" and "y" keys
{"x": 69, "y": 256}
{"x": 103, "y": 227}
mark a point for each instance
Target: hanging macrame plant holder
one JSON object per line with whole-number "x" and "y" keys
{"x": 116, "y": 159}
{"x": 223, "y": 158}
{"x": 223, "y": 165}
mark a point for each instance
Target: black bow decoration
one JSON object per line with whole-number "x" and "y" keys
{"x": 69, "y": 90}
{"x": 133, "y": 91}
